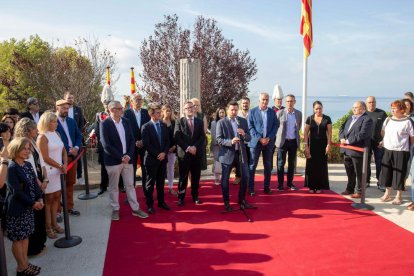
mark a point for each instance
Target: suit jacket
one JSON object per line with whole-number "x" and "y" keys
{"x": 18, "y": 197}
{"x": 78, "y": 117}
{"x": 224, "y": 135}
{"x": 74, "y": 133}
{"x": 184, "y": 139}
{"x": 29, "y": 115}
{"x": 359, "y": 135}
{"x": 152, "y": 144}
{"x": 256, "y": 126}
{"x": 145, "y": 118}
{"x": 282, "y": 117}
{"x": 111, "y": 142}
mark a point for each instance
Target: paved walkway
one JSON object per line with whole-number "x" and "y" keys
{"x": 94, "y": 223}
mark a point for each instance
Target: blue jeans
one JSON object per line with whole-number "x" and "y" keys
{"x": 267, "y": 152}
{"x": 290, "y": 148}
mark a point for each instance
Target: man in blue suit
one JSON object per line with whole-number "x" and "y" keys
{"x": 156, "y": 143}
{"x": 118, "y": 144}
{"x": 137, "y": 117}
{"x": 72, "y": 139}
{"x": 262, "y": 127}
{"x": 356, "y": 131}
{"x": 231, "y": 132}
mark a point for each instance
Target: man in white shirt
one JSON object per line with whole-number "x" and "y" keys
{"x": 33, "y": 110}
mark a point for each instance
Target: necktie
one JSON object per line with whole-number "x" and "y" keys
{"x": 158, "y": 131}
{"x": 190, "y": 122}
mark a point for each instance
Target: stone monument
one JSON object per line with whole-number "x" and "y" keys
{"x": 190, "y": 79}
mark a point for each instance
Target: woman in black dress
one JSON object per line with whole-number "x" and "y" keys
{"x": 23, "y": 197}
{"x": 27, "y": 128}
{"x": 317, "y": 137}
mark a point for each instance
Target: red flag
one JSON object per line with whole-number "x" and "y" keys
{"x": 306, "y": 26}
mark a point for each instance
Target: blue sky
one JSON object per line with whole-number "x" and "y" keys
{"x": 360, "y": 47}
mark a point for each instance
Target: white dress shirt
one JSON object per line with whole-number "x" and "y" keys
{"x": 121, "y": 132}
{"x": 71, "y": 113}
{"x": 35, "y": 116}
{"x": 66, "y": 129}
{"x": 138, "y": 117}
{"x": 234, "y": 126}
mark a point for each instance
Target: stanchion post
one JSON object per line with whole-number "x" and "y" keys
{"x": 68, "y": 240}
{"x": 3, "y": 263}
{"x": 87, "y": 195}
{"x": 363, "y": 205}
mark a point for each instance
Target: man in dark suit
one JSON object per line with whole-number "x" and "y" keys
{"x": 71, "y": 138}
{"x": 76, "y": 113}
{"x": 262, "y": 127}
{"x": 138, "y": 117}
{"x": 356, "y": 131}
{"x": 33, "y": 110}
{"x": 189, "y": 136}
{"x": 118, "y": 144}
{"x": 156, "y": 143}
{"x": 287, "y": 141}
{"x": 231, "y": 133}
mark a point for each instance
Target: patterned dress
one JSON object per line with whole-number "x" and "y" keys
{"x": 21, "y": 227}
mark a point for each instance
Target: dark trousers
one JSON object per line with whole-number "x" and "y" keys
{"x": 267, "y": 163}
{"x": 141, "y": 154}
{"x": 289, "y": 148}
{"x": 185, "y": 165}
{"x": 378, "y": 153}
{"x": 225, "y": 175}
{"x": 155, "y": 176}
{"x": 79, "y": 168}
{"x": 353, "y": 167}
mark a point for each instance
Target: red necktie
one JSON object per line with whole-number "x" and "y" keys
{"x": 190, "y": 122}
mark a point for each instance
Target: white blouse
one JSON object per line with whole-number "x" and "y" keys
{"x": 397, "y": 134}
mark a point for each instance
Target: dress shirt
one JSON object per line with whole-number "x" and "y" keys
{"x": 121, "y": 132}
{"x": 264, "y": 119}
{"x": 71, "y": 114}
{"x": 242, "y": 114}
{"x": 354, "y": 119}
{"x": 138, "y": 117}
{"x": 192, "y": 122}
{"x": 291, "y": 125}
{"x": 66, "y": 129}
{"x": 234, "y": 126}
{"x": 36, "y": 117}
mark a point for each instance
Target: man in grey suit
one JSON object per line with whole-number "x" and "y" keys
{"x": 287, "y": 141}
{"x": 231, "y": 133}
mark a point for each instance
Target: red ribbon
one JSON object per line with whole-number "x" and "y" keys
{"x": 76, "y": 160}
{"x": 346, "y": 146}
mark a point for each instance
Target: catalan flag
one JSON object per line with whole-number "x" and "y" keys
{"x": 108, "y": 76}
{"x": 306, "y": 26}
{"x": 132, "y": 81}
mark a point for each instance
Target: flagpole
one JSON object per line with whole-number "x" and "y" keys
{"x": 304, "y": 90}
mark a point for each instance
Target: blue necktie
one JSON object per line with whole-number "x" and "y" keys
{"x": 158, "y": 131}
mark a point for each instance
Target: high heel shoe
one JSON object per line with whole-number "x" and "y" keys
{"x": 385, "y": 198}
{"x": 397, "y": 201}
{"x": 58, "y": 229}
{"x": 51, "y": 234}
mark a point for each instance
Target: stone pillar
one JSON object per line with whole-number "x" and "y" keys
{"x": 190, "y": 79}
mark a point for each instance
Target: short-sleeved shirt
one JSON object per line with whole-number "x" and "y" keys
{"x": 397, "y": 134}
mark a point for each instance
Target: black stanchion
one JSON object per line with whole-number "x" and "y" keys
{"x": 87, "y": 195}
{"x": 362, "y": 205}
{"x": 3, "y": 263}
{"x": 68, "y": 240}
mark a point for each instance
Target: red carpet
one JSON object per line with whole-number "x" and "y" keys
{"x": 293, "y": 233}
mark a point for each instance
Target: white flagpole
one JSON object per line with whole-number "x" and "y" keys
{"x": 304, "y": 89}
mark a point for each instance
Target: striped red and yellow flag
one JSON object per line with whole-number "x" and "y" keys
{"x": 306, "y": 26}
{"x": 108, "y": 76}
{"x": 132, "y": 81}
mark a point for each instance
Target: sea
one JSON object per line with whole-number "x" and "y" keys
{"x": 333, "y": 106}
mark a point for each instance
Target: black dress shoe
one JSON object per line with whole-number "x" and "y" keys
{"x": 164, "y": 206}
{"x": 267, "y": 191}
{"x": 227, "y": 206}
{"x": 180, "y": 202}
{"x": 151, "y": 210}
{"x": 197, "y": 201}
{"x": 245, "y": 205}
{"x": 292, "y": 187}
{"x": 101, "y": 192}
{"x": 280, "y": 188}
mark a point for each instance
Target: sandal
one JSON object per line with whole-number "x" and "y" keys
{"x": 58, "y": 229}
{"x": 27, "y": 272}
{"x": 397, "y": 201}
{"x": 411, "y": 206}
{"x": 34, "y": 267}
{"x": 385, "y": 198}
{"x": 51, "y": 234}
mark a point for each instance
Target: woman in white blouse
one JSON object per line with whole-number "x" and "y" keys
{"x": 398, "y": 133}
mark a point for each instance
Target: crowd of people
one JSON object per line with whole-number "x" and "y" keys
{"x": 37, "y": 148}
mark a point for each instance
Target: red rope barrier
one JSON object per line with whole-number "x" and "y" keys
{"x": 75, "y": 160}
{"x": 346, "y": 146}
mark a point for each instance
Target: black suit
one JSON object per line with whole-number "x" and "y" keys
{"x": 156, "y": 169}
{"x": 186, "y": 161}
{"x": 137, "y": 131}
{"x": 358, "y": 135}
{"x": 29, "y": 115}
